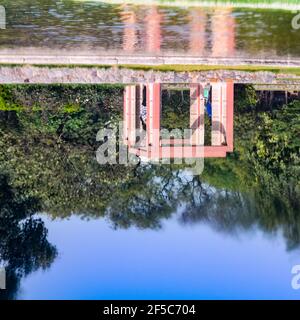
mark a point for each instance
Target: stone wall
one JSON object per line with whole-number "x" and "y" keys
{"x": 35, "y": 74}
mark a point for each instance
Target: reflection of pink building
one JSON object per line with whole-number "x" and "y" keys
{"x": 197, "y": 31}
{"x": 219, "y": 35}
{"x": 152, "y": 36}
{"x": 154, "y": 146}
{"x": 223, "y": 33}
{"x": 153, "y": 22}
{"x": 130, "y": 35}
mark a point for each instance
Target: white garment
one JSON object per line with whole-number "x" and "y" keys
{"x": 143, "y": 113}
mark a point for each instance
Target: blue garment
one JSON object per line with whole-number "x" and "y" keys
{"x": 208, "y": 108}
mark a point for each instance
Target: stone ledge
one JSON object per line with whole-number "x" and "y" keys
{"x": 84, "y": 75}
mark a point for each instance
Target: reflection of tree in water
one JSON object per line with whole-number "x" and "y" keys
{"x": 233, "y": 212}
{"x": 52, "y": 158}
{"x": 24, "y": 247}
{"x": 146, "y": 199}
{"x": 157, "y": 192}
{"x": 224, "y": 210}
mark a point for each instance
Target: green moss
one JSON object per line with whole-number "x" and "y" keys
{"x": 71, "y": 108}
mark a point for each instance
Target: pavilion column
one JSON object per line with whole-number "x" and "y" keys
{"x": 153, "y": 118}
{"x": 230, "y": 113}
{"x": 126, "y": 105}
{"x": 130, "y": 112}
{"x": 223, "y": 125}
{"x": 219, "y": 113}
{"x": 197, "y": 114}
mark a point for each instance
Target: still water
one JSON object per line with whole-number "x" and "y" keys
{"x": 180, "y": 261}
{"x": 71, "y": 228}
{"x": 95, "y": 27}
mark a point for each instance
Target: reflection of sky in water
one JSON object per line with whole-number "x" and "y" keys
{"x": 187, "y": 259}
{"x": 180, "y": 262}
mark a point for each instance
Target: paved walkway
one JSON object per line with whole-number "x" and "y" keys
{"x": 78, "y": 57}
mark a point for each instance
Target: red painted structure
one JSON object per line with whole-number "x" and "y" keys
{"x": 154, "y": 146}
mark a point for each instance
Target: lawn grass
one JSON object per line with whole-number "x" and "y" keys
{"x": 199, "y": 68}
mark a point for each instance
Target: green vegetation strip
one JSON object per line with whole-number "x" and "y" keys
{"x": 191, "y": 68}
{"x": 174, "y": 68}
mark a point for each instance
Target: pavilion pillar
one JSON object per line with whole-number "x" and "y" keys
{"x": 219, "y": 113}
{"x": 216, "y": 114}
{"x": 153, "y": 118}
{"x": 197, "y": 114}
{"x": 230, "y": 115}
{"x": 130, "y": 112}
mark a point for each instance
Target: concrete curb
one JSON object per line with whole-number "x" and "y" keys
{"x": 59, "y": 58}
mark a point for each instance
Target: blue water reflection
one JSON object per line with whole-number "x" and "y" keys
{"x": 178, "y": 262}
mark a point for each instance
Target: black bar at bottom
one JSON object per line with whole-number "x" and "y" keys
{"x": 184, "y": 309}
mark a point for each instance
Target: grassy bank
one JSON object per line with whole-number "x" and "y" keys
{"x": 172, "y": 68}
{"x": 199, "y": 68}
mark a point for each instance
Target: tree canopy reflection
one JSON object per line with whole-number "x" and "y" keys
{"x": 48, "y": 153}
{"x": 24, "y": 247}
